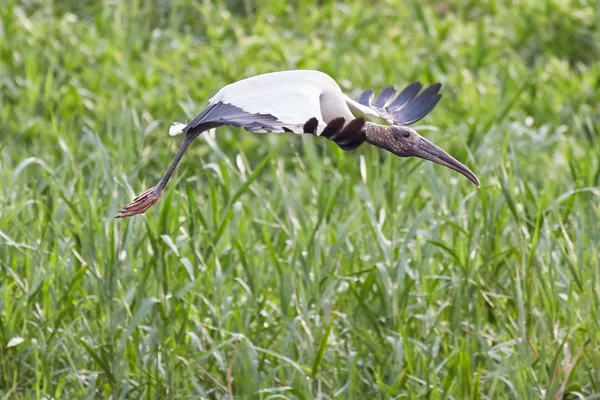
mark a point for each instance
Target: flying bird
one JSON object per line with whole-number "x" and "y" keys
{"x": 302, "y": 101}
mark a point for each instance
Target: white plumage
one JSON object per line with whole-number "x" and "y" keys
{"x": 292, "y": 97}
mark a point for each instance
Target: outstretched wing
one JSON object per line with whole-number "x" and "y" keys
{"x": 277, "y": 102}
{"x": 347, "y": 137}
{"x": 405, "y": 109}
{"x": 264, "y": 103}
{"x": 219, "y": 113}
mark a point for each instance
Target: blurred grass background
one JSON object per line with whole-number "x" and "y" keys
{"x": 279, "y": 266}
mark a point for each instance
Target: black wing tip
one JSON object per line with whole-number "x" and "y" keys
{"x": 434, "y": 100}
{"x": 414, "y": 84}
{"x": 333, "y": 126}
{"x": 366, "y": 98}
{"x": 352, "y": 135}
{"x": 405, "y": 96}
{"x": 311, "y": 125}
{"x": 437, "y": 85}
{"x": 352, "y": 144}
{"x": 417, "y": 109}
{"x": 384, "y": 97}
{"x": 410, "y": 106}
{"x": 347, "y": 137}
{"x": 432, "y": 89}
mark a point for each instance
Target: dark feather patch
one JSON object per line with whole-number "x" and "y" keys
{"x": 352, "y": 135}
{"x": 333, "y": 127}
{"x": 351, "y": 144}
{"x": 217, "y": 114}
{"x": 353, "y": 129}
{"x": 228, "y": 114}
{"x": 366, "y": 98}
{"x": 408, "y": 107}
{"x": 385, "y": 96}
{"x": 418, "y": 108}
{"x": 347, "y": 138}
{"x": 311, "y": 126}
{"x": 405, "y": 96}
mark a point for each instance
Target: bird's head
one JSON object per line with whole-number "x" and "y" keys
{"x": 405, "y": 142}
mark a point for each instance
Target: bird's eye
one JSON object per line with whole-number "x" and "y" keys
{"x": 402, "y": 133}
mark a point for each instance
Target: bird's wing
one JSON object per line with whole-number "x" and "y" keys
{"x": 227, "y": 114}
{"x": 346, "y": 136}
{"x": 405, "y": 109}
{"x": 260, "y": 108}
{"x": 278, "y": 102}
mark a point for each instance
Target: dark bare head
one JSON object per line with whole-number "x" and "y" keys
{"x": 405, "y": 142}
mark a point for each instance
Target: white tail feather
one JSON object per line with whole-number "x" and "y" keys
{"x": 176, "y": 128}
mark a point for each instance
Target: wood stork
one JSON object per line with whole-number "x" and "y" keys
{"x": 302, "y": 101}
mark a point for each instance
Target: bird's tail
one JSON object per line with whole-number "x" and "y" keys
{"x": 176, "y": 128}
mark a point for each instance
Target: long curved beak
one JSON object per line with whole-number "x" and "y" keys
{"x": 423, "y": 148}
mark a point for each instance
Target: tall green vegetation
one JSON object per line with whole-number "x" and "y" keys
{"x": 279, "y": 266}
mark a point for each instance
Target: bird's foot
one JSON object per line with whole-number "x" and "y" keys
{"x": 140, "y": 204}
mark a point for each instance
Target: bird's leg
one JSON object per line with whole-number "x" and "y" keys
{"x": 147, "y": 199}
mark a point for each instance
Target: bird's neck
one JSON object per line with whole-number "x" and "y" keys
{"x": 378, "y": 135}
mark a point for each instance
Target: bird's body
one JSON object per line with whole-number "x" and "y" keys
{"x": 303, "y": 101}
{"x": 289, "y": 97}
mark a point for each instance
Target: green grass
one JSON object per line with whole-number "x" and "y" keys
{"x": 279, "y": 266}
